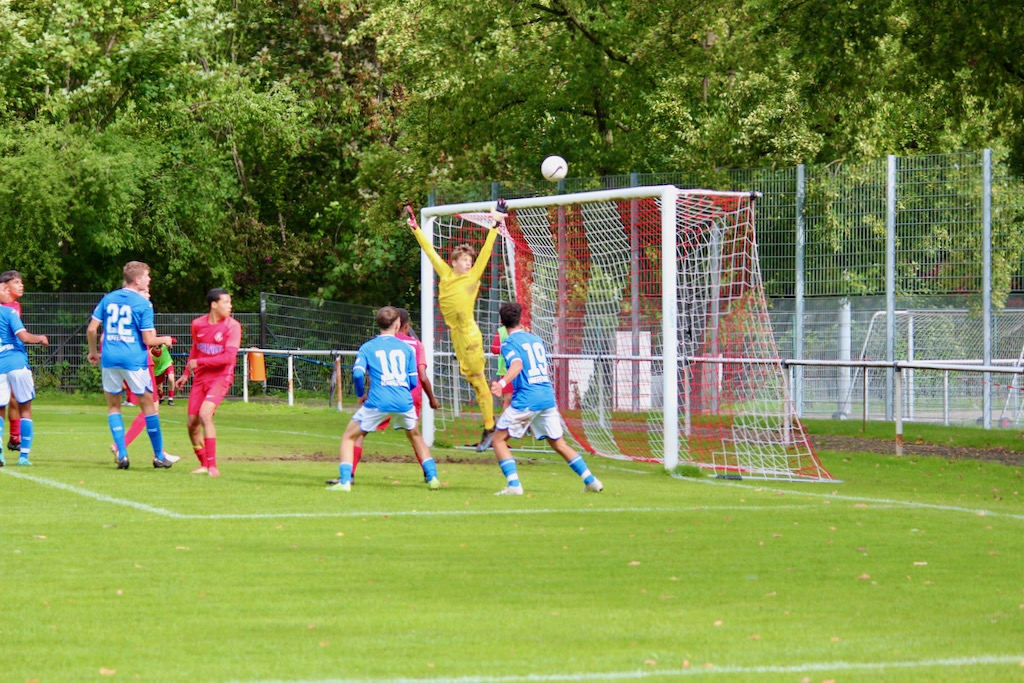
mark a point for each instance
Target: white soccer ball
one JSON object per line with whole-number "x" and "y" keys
{"x": 554, "y": 168}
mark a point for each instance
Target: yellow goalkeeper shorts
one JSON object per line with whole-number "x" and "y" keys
{"x": 469, "y": 350}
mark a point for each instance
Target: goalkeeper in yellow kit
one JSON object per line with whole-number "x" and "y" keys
{"x": 456, "y": 295}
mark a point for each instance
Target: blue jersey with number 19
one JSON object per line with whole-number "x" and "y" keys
{"x": 532, "y": 388}
{"x": 125, "y": 315}
{"x": 392, "y": 368}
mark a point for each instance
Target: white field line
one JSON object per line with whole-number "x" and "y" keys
{"x": 102, "y": 497}
{"x": 697, "y": 670}
{"x": 887, "y": 502}
{"x": 380, "y": 513}
{"x": 878, "y": 503}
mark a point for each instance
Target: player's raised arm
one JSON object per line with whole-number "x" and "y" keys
{"x": 484, "y": 257}
{"x": 442, "y": 268}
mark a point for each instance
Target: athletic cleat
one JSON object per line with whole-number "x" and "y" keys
{"x": 171, "y": 458}
{"x": 23, "y": 461}
{"x": 162, "y": 464}
{"x": 13, "y": 445}
{"x": 161, "y": 401}
{"x": 434, "y": 484}
{"x": 3, "y": 463}
{"x": 214, "y": 472}
{"x": 200, "y": 470}
{"x": 332, "y": 482}
{"x": 595, "y": 486}
{"x": 123, "y": 463}
{"x": 340, "y": 487}
{"x": 170, "y": 401}
{"x": 510, "y": 491}
{"x": 485, "y": 440}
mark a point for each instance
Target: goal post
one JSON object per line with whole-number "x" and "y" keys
{"x": 651, "y": 305}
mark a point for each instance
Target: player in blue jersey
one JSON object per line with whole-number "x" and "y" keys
{"x": 533, "y": 403}
{"x": 125, "y": 317}
{"x": 390, "y": 366}
{"x": 15, "y": 374}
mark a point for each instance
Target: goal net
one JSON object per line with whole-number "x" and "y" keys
{"x": 652, "y": 358}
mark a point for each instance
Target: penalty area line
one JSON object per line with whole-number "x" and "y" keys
{"x": 705, "y": 670}
{"x": 102, "y": 497}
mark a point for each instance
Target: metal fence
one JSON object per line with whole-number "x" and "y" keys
{"x": 853, "y": 256}
{"x": 287, "y": 323}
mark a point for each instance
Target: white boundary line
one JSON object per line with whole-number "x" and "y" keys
{"x": 696, "y": 670}
{"x": 981, "y": 512}
{"x": 102, "y": 497}
{"x": 878, "y": 502}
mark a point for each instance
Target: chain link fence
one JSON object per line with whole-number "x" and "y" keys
{"x": 284, "y": 322}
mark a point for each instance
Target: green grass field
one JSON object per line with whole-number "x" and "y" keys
{"x": 909, "y": 570}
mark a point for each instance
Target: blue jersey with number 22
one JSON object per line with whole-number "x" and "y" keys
{"x": 532, "y": 388}
{"x": 391, "y": 365}
{"x": 124, "y": 314}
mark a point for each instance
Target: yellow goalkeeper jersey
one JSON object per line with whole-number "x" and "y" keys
{"x": 456, "y": 294}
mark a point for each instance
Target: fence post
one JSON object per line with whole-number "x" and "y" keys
{"x": 291, "y": 380}
{"x": 337, "y": 381}
{"x": 798, "y": 292}
{"x": 245, "y": 378}
{"x": 890, "y": 278}
{"x": 986, "y": 285}
{"x": 263, "y": 320}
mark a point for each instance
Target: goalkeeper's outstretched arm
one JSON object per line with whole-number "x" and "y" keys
{"x": 442, "y": 268}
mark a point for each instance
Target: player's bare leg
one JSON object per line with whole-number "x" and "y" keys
{"x": 353, "y": 432}
{"x": 486, "y": 402}
{"x": 576, "y": 462}
{"x": 507, "y": 464}
{"x": 203, "y": 434}
{"x": 426, "y": 460}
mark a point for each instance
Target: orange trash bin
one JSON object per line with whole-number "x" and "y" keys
{"x": 257, "y": 367}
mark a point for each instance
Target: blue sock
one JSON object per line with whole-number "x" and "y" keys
{"x": 429, "y": 469}
{"x": 117, "y": 431}
{"x": 156, "y": 437}
{"x": 508, "y": 468}
{"x": 26, "y": 436}
{"x": 580, "y": 468}
{"x": 345, "y": 473}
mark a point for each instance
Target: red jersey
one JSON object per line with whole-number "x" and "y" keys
{"x": 215, "y": 347}
{"x": 421, "y": 362}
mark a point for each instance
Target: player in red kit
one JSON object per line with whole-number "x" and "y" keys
{"x": 216, "y": 338}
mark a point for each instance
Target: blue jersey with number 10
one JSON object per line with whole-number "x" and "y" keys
{"x": 124, "y": 314}
{"x": 391, "y": 365}
{"x": 532, "y": 388}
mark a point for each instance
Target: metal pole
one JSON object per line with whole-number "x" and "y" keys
{"x": 798, "y": 322}
{"x": 898, "y": 385}
{"x": 986, "y": 285}
{"x": 245, "y": 378}
{"x": 291, "y": 378}
{"x": 634, "y": 287}
{"x": 427, "y": 326}
{"x": 337, "y": 381}
{"x": 670, "y": 333}
{"x": 890, "y": 278}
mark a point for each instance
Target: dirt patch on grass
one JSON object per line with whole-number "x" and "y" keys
{"x": 849, "y": 444}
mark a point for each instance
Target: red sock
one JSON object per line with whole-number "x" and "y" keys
{"x": 138, "y": 424}
{"x": 15, "y": 430}
{"x": 357, "y": 453}
{"x": 201, "y": 454}
{"x": 211, "y": 452}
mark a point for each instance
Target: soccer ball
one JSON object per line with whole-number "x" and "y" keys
{"x": 554, "y": 168}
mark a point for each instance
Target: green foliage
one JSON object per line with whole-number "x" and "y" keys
{"x": 271, "y": 146}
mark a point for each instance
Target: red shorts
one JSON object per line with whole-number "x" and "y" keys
{"x": 213, "y": 389}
